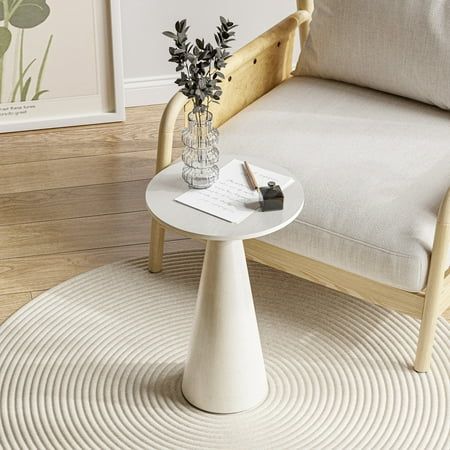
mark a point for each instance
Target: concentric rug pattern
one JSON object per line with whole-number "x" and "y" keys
{"x": 97, "y": 363}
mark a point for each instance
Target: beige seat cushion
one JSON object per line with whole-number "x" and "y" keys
{"x": 396, "y": 46}
{"x": 374, "y": 169}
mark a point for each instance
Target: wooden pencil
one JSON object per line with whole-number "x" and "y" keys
{"x": 250, "y": 177}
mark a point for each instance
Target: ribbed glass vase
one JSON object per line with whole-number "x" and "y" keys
{"x": 200, "y": 154}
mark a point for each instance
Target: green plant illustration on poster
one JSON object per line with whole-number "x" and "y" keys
{"x": 17, "y": 16}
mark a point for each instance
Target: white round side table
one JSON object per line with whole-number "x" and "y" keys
{"x": 224, "y": 371}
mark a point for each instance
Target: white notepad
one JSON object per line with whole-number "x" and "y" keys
{"x": 230, "y": 198}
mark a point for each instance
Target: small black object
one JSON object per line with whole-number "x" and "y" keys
{"x": 273, "y": 198}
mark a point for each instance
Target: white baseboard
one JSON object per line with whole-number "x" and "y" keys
{"x": 149, "y": 91}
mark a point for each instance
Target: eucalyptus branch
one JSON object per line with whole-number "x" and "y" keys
{"x": 200, "y": 64}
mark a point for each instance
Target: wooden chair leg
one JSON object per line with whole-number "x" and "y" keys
{"x": 434, "y": 292}
{"x": 156, "y": 247}
{"x": 164, "y": 158}
{"x": 426, "y": 336}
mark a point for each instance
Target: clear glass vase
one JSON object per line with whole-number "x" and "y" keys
{"x": 200, "y": 154}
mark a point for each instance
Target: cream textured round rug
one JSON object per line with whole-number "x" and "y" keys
{"x": 97, "y": 363}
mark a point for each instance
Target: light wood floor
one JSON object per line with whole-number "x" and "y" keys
{"x": 73, "y": 199}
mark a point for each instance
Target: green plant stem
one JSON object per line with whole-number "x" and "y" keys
{"x": 22, "y": 34}
{"x": 2, "y": 59}
{"x": 15, "y": 6}
{"x": 6, "y": 12}
{"x": 1, "y": 77}
{"x": 42, "y": 68}
{"x": 22, "y": 75}
{"x": 208, "y": 75}
{"x": 199, "y": 137}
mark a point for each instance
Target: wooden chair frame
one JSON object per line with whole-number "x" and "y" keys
{"x": 253, "y": 71}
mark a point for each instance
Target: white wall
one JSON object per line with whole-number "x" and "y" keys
{"x": 148, "y": 75}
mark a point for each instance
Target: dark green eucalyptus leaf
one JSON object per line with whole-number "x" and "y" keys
{"x": 5, "y": 40}
{"x": 169, "y": 34}
{"x": 30, "y": 14}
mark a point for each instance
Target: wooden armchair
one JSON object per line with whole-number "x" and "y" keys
{"x": 253, "y": 71}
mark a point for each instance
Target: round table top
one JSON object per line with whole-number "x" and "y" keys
{"x": 168, "y": 184}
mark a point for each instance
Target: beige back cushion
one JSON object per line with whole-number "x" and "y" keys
{"x": 396, "y": 46}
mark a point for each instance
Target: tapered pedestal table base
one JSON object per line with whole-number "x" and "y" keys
{"x": 225, "y": 370}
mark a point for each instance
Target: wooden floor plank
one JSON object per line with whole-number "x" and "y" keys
{"x": 37, "y": 273}
{"x": 10, "y": 303}
{"x": 138, "y": 133}
{"x": 32, "y": 152}
{"x": 72, "y": 172}
{"x": 138, "y": 121}
{"x": 44, "y": 238}
{"x": 74, "y": 202}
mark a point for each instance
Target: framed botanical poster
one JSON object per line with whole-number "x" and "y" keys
{"x": 60, "y": 63}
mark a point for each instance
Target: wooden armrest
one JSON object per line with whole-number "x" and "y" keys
{"x": 166, "y": 128}
{"x": 258, "y": 67}
{"x": 251, "y": 72}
